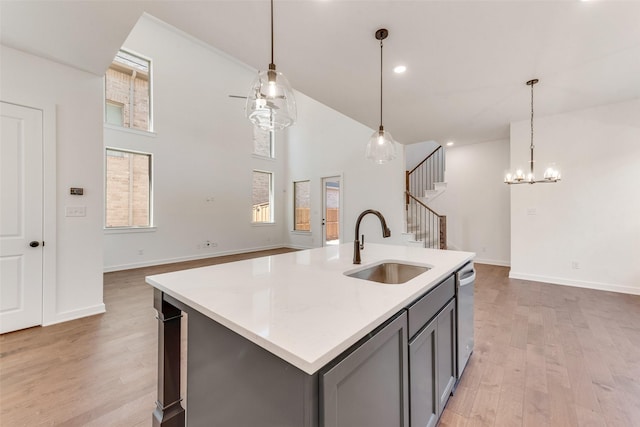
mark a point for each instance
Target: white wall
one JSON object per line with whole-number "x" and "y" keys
{"x": 325, "y": 143}
{"x": 416, "y": 153}
{"x": 72, "y": 102}
{"x": 202, "y": 149}
{"x": 591, "y": 217}
{"x": 476, "y": 201}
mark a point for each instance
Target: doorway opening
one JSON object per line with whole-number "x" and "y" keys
{"x": 331, "y": 200}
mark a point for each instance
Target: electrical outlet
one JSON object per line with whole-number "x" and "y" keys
{"x": 575, "y": 265}
{"x": 140, "y": 251}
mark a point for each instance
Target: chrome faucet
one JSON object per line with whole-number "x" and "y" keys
{"x": 358, "y": 245}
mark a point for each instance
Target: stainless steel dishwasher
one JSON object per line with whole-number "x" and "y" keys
{"x": 465, "y": 281}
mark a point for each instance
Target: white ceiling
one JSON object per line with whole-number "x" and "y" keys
{"x": 467, "y": 61}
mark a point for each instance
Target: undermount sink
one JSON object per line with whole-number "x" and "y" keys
{"x": 389, "y": 272}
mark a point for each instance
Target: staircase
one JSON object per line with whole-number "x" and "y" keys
{"x": 425, "y": 227}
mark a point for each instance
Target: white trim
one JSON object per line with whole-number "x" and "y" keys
{"x": 576, "y": 283}
{"x": 262, "y": 224}
{"x": 188, "y": 258}
{"x": 126, "y": 230}
{"x": 298, "y": 247}
{"x": 65, "y": 316}
{"x": 259, "y": 157}
{"x": 492, "y": 262}
{"x": 301, "y": 232}
{"x": 134, "y": 131}
{"x": 50, "y": 224}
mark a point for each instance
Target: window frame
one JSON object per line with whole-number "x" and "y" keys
{"x": 295, "y": 229}
{"x": 271, "y": 198}
{"x": 104, "y": 94}
{"x": 130, "y": 228}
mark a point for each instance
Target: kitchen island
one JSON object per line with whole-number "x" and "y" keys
{"x": 267, "y": 337}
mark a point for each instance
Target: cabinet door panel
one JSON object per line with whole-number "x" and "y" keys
{"x": 446, "y": 351}
{"x": 369, "y": 388}
{"x": 422, "y": 360}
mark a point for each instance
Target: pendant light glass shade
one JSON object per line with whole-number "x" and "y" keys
{"x": 271, "y": 104}
{"x": 381, "y": 147}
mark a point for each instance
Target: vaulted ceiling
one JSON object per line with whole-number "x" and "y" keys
{"x": 467, "y": 61}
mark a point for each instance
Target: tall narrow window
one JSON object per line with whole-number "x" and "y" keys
{"x": 302, "y": 205}
{"x": 128, "y": 189}
{"x": 262, "y": 197}
{"x": 263, "y": 142}
{"x": 128, "y": 92}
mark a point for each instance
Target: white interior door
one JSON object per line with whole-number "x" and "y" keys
{"x": 21, "y": 245}
{"x": 331, "y": 215}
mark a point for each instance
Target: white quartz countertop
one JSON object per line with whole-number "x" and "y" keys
{"x": 299, "y": 305}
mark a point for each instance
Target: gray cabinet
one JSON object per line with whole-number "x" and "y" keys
{"x": 424, "y": 394}
{"x": 369, "y": 387}
{"x": 432, "y": 360}
{"x": 390, "y": 378}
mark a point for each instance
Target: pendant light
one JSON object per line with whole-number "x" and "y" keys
{"x": 381, "y": 147}
{"x": 271, "y": 104}
{"x": 551, "y": 174}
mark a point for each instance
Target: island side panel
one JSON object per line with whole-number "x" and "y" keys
{"x": 234, "y": 382}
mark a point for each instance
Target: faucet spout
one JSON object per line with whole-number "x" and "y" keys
{"x": 357, "y": 245}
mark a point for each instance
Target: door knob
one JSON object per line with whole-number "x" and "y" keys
{"x": 34, "y": 244}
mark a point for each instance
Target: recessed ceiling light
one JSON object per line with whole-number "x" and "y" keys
{"x": 449, "y": 144}
{"x": 400, "y": 69}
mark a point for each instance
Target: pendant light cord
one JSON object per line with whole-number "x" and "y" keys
{"x": 272, "y": 31}
{"x": 381, "y": 84}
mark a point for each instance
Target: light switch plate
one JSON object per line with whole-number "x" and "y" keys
{"x": 75, "y": 211}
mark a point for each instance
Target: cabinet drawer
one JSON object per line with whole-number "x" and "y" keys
{"x": 429, "y": 304}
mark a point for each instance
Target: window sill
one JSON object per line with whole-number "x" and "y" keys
{"x": 301, "y": 232}
{"x": 127, "y": 230}
{"x": 262, "y": 224}
{"x": 259, "y": 157}
{"x": 130, "y": 130}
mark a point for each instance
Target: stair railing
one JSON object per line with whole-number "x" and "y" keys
{"x": 424, "y": 176}
{"x": 424, "y": 222}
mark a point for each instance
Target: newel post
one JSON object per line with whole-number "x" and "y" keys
{"x": 443, "y": 232}
{"x": 169, "y": 411}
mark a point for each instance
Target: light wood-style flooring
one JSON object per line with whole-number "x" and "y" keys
{"x": 545, "y": 355}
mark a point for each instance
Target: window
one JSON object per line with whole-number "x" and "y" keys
{"x": 262, "y": 197}
{"x": 302, "y": 205}
{"x": 263, "y": 142}
{"x": 128, "y": 92}
{"x": 128, "y": 189}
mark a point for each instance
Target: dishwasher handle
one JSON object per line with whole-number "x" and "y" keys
{"x": 468, "y": 279}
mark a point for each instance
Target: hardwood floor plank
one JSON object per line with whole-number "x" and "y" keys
{"x": 545, "y": 355}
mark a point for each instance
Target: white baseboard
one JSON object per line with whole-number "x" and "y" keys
{"x": 151, "y": 263}
{"x": 65, "y": 316}
{"x": 298, "y": 247}
{"x": 492, "y": 262}
{"x": 577, "y": 283}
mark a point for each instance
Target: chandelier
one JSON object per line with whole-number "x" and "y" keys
{"x": 551, "y": 173}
